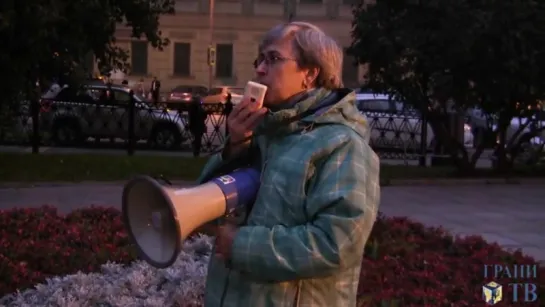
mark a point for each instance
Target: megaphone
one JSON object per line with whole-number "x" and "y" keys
{"x": 160, "y": 217}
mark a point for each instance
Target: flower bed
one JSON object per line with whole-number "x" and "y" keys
{"x": 406, "y": 264}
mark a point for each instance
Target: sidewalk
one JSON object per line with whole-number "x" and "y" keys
{"x": 512, "y": 215}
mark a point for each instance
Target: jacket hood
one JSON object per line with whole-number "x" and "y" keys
{"x": 317, "y": 107}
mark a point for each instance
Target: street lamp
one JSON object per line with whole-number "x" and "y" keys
{"x": 211, "y": 48}
{"x": 290, "y": 8}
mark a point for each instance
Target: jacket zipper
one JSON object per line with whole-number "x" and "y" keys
{"x": 225, "y": 286}
{"x": 265, "y": 157}
{"x": 263, "y": 169}
{"x": 297, "y": 295}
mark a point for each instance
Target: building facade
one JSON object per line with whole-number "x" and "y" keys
{"x": 238, "y": 26}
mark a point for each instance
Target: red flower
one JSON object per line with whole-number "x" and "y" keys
{"x": 406, "y": 264}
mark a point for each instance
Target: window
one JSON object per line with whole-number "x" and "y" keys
{"x": 402, "y": 107}
{"x": 121, "y": 97}
{"x": 182, "y": 59}
{"x": 376, "y": 105}
{"x": 224, "y": 60}
{"x": 93, "y": 93}
{"x": 139, "y": 58}
{"x": 67, "y": 94}
{"x": 199, "y": 90}
{"x": 70, "y": 94}
{"x": 182, "y": 89}
{"x": 350, "y": 71}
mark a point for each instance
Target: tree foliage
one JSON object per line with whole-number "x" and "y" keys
{"x": 436, "y": 54}
{"x": 49, "y": 39}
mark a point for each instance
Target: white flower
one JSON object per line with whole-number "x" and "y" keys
{"x": 136, "y": 285}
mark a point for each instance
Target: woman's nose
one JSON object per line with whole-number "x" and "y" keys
{"x": 260, "y": 68}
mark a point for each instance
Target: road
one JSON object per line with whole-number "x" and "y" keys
{"x": 484, "y": 162}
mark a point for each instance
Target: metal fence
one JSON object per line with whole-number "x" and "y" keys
{"x": 134, "y": 126}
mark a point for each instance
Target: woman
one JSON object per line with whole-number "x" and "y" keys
{"x": 303, "y": 241}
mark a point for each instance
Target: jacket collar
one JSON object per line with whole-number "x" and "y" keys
{"x": 275, "y": 121}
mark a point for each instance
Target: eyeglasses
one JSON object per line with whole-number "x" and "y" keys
{"x": 270, "y": 59}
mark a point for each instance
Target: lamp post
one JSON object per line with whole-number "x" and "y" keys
{"x": 211, "y": 48}
{"x": 290, "y": 8}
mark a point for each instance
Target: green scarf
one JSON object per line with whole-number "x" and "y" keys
{"x": 281, "y": 122}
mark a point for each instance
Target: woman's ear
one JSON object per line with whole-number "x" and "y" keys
{"x": 311, "y": 76}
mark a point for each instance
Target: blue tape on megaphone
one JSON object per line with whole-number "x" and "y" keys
{"x": 239, "y": 187}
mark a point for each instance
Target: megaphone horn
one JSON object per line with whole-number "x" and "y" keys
{"x": 160, "y": 217}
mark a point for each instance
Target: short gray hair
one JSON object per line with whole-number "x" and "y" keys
{"x": 314, "y": 49}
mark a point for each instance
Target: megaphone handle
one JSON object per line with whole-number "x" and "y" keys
{"x": 230, "y": 218}
{"x": 234, "y": 217}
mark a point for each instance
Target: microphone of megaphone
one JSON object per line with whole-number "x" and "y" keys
{"x": 160, "y": 217}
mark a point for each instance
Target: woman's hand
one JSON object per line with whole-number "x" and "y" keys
{"x": 241, "y": 122}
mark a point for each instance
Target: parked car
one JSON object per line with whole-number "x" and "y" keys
{"x": 219, "y": 94}
{"x": 216, "y": 95}
{"x": 394, "y": 125}
{"x": 185, "y": 93}
{"x": 478, "y": 120}
{"x": 532, "y": 147}
{"x": 21, "y": 119}
{"x": 101, "y": 111}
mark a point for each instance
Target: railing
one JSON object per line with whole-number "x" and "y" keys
{"x": 401, "y": 135}
{"x": 137, "y": 125}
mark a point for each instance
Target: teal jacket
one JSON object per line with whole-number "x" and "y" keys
{"x": 304, "y": 239}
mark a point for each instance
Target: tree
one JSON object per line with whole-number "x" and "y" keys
{"x": 438, "y": 55}
{"x": 45, "y": 40}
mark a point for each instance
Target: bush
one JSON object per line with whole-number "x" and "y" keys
{"x": 406, "y": 264}
{"x": 39, "y": 243}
